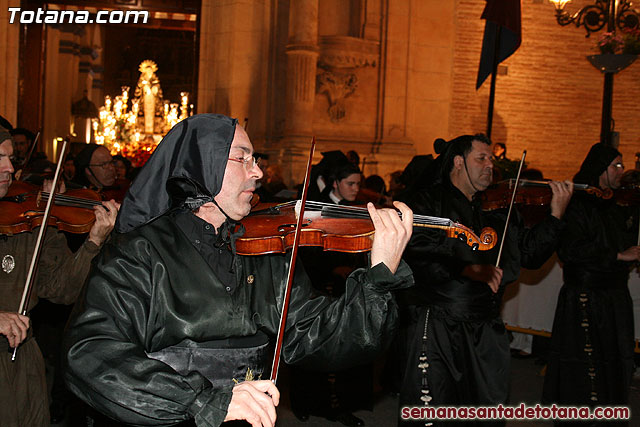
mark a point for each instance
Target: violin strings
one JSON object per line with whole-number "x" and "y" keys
{"x": 538, "y": 183}
{"x": 72, "y": 201}
{"x": 337, "y": 211}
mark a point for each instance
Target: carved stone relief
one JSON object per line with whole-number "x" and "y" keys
{"x": 339, "y": 58}
{"x": 337, "y": 86}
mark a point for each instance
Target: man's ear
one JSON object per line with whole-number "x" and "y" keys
{"x": 458, "y": 162}
{"x": 335, "y": 184}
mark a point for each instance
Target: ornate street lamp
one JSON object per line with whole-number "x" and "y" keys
{"x": 615, "y": 14}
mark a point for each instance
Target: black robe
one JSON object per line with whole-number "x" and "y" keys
{"x": 150, "y": 289}
{"x": 466, "y": 344}
{"x": 314, "y": 391}
{"x": 592, "y": 343}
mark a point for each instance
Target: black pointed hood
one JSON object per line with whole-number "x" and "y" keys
{"x": 597, "y": 161}
{"x": 186, "y": 169}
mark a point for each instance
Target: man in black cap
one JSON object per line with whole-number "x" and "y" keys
{"x": 94, "y": 167}
{"x": 592, "y": 343}
{"x": 172, "y": 316}
{"x": 456, "y": 349}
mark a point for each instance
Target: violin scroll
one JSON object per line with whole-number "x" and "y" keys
{"x": 488, "y": 237}
{"x": 605, "y": 194}
{"x": 485, "y": 242}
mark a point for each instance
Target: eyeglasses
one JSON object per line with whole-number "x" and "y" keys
{"x": 248, "y": 162}
{"x": 103, "y": 165}
{"x": 618, "y": 165}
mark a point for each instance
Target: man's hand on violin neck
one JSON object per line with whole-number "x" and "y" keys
{"x": 14, "y": 326}
{"x": 391, "y": 234}
{"x": 562, "y": 192}
{"x": 105, "y": 220}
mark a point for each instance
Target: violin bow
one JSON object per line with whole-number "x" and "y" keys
{"x": 28, "y": 286}
{"x": 292, "y": 263}
{"x": 513, "y": 198}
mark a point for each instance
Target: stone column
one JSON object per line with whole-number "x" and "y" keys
{"x": 302, "y": 57}
{"x": 233, "y": 70}
{"x": 207, "y": 66}
{"x": 61, "y": 82}
{"x": 9, "y": 41}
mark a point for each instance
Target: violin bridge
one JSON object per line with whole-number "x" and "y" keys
{"x": 309, "y": 215}
{"x": 297, "y": 208}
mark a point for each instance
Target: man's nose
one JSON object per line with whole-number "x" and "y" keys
{"x": 256, "y": 171}
{"x": 6, "y": 166}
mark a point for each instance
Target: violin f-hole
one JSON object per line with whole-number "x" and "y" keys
{"x": 291, "y": 227}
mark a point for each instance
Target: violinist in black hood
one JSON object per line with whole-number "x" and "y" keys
{"x": 172, "y": 316}
{"x": 591, "y": 355}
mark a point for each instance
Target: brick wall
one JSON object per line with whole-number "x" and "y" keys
{"x": 550, "y": 100}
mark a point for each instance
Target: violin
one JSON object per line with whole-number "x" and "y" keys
{"x": 531, "y": 193}
{"x": 334, "y": 228}
{"x": 627, "y": 196}
{"x": 23, "y": 207}
{"x": 117, "y": 191}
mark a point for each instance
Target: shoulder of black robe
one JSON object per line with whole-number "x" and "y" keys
{"x": 186, "y": 169}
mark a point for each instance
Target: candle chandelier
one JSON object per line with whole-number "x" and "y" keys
{"x": 135, "y": 132}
